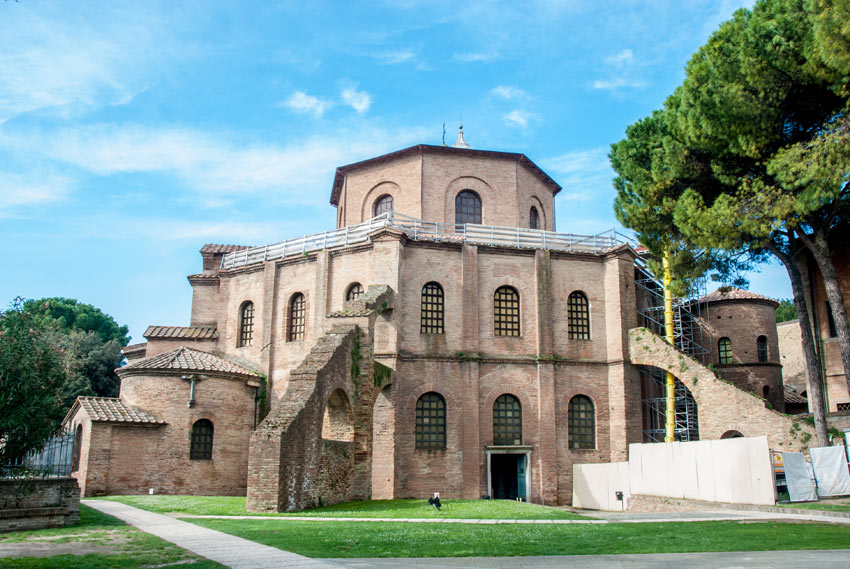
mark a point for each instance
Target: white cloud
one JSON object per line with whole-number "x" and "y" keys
{"x": 616, "y": 83}
{"x": 518, "y": 118}
{"x": 301, "y": 102}
{"x": 509, "y": 93}
{"x": 20, "y": 190}
{"x": 585, "y": 174}
{"x": 473, "y": 57}
{"x": 360, "y": 101}
{"x": 625, "y": 57}
{"x": 398, "y": 56}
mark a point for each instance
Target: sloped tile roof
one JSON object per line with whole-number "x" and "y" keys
{"x": 733, "y": 294}
{"x": 217, "y": 248}
{"x": 189, "y": 360}
{"x": 182, "y": 332}
{"x": 113, "y": 410}
{"x": 792, "y": 396}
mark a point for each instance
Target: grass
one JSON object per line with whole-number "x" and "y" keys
{"x": 106, "y": 542}
{"x": 459, "y": 509}
{"x": 818, "y": 506}
{"x": 351, "y": 539}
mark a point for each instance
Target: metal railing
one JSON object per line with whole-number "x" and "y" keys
{"x": 55, "y": 458}
{"x": 491, "y": 235}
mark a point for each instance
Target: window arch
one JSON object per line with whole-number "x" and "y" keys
{"x": 297, "y": 317}
{"x": 202, "y": 440}
{"x": 246, "y": 324}
{"x": 578, "y": 316}
{"x": 581, "y": 423}
{"x": 506, "y": 311}
{"x": 533, "y": 218}
{"x": 432, "y": 309}
{"x": 78, "y": 447}
{"x": 430, "y": 431}
{"x": 762, "y": 349}
{"x": 765, "y": 392}
{"x": 383, "y": 204}
{"x": 355, "y": 291}
{"x": 467, "y": 208}
{"x": 507, "y": 420}
{"x": 724, "y": 350}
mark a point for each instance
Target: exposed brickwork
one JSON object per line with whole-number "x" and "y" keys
{"x": 39, "y": 503}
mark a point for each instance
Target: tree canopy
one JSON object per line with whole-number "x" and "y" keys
{"x": 69, "y": 314}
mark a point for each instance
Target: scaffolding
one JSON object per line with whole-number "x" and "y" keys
{"x": 653, "y": 390}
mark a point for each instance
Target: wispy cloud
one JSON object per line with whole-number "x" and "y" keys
{"x": 20, "y": 190}
{"x": 621, "y": 73}
{"x": 585, "y": 174}
{"x": 510, "y": 93}
{"x": 474, "y": 57}
{"x": 624, "y": 57}
{"x": 518, "y": 118}
{"x": 397, "y": 56}
{"x": 360, "y": 101}
{"x": 301, "y": 102}
{"x": 615, "y": 83}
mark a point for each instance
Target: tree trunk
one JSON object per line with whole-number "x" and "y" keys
{"x": 816, "y": 243}
{"x": 807, "y": 339}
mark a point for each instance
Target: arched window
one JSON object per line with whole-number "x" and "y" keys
{"x": 202, "y": 440}
{"x": 431, "y": 319}
{"x": 506, "y": 311}
{"x": 383, "y": 204}
{"x": 507, "y": 421}
{"x": 246, "y": 324}
{"x": 731, "y": 435}
{"x": 581, "y": 422}
{"x": 431, "y": 421}
{"x": 78, "y": 446}
{"x": 578, "y": 316}
{"x": 533, "y": 218}
{"x": 354, "y": 291}
{"x": 762, "y": 349}
{"x": 724, "y": 350}
{"x": 467, "y": 208}
{"x": 297, "y": 313}
{"x": 765, "y": 392}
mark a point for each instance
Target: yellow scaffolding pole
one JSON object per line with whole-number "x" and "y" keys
{"x": 668, "y": 329}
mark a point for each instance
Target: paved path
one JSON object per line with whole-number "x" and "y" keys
{"x": 228, "y": 550}
{"x": 830, "y": 559}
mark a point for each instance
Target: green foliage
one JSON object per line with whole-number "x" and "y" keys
{"x": 31, "y": 376}
{"x": 381, "y": 374}
{"x": 786, "y": 310}
{"x": 69, "y": 314}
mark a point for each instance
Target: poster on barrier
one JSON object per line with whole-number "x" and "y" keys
{"x": 800, "y": 486}
{"x": 830, "y": 466}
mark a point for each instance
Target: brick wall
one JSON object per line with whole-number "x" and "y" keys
{"x": 40, "y": 503}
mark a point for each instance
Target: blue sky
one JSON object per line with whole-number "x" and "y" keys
{"x": 131, "y": 133}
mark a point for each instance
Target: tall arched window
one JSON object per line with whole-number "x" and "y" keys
{"x": 354, "y": 291}
{"x": 246, "y": 324}
{"x": 467, "y": 208}
{"x": 383, "y": 204}
{"x": 724, "y": 351}
{"x": 765, "y": 392}
{"x": 506, "y": 311}
{"x": 581, "y": 422}
{"x": 430, "y": 432}
{"x": 431, "y": 319}
{"x": 533, "y": 218}
{"x": 578, "y": 316}
{"x": 762, "y": 349}
{"x": 78, "y": 447}
{"x": 297, "y": 317}
{"x": 202, "y": 440}
{"x": 507, "y": 421}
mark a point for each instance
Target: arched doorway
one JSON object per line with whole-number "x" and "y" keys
{"x": 338, "y": 422}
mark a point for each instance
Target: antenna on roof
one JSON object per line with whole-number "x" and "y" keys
{"x": 444, "y": 133}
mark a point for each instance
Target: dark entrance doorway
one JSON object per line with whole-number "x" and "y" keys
{"x": 507, "y": 476}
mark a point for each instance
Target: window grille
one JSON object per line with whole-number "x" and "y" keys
{"x": 507, "y": 421}
{"x": 202, "y": 440}
{"x": 431, "y": 421}
{"x": 246, "y": 324}
{"x": 354, "y": 292}
{"x": 533, "y": 218}
{"x": 581, "y": 422}
{"x": 297, "y": 311}
{"x": 433, "y": 307}
{"x": 724, "y": 350}
{"x": 467, "y": 208}
{"x": 843, "y": 407}
{"x": 762, "y": 349}
{"x": 578, "y": 316}
{"x": 383, "y": 204}
{"x": 506, "y": 311}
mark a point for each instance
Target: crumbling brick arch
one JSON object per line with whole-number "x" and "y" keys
{"x": 338, "y": 420}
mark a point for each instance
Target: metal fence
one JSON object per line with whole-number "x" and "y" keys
{"x": 55, "y": 458}
{"x": 475, "y": 234}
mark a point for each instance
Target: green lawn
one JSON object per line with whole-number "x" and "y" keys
{"x": 354, "y": 539}
{"x": 109, "y": 542}
{"x": 459, "y": 509}
{"x": 826, "y": 506}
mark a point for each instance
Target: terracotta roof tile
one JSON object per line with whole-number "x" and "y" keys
{"x": 182, "y": 332}
{"x": 113, "y": 410}
{"x": 217, "y": 248}
{"x": 792, "y": 396}
{"x": 189, "y": 360}
{"x": 733, "y": 294}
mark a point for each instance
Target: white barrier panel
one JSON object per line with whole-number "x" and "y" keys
{"x": 830, "y": 466}
{"x": 595, "y": 486}
{"x": 800, "y": 485}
